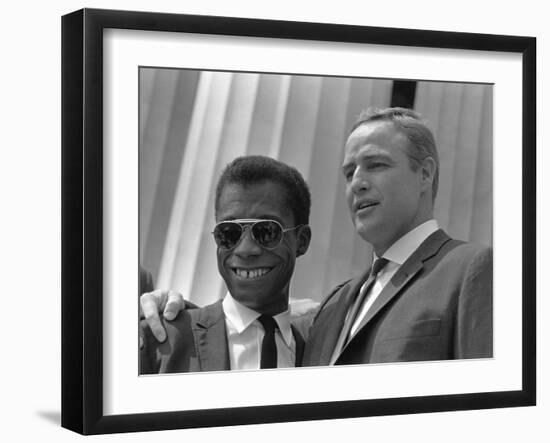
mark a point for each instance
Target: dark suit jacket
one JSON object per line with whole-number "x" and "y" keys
{"x": 196, "y": 341}
{"x": 437, "y": 306}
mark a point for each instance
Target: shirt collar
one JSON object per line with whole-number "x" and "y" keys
{"x": 241, "y": 317}
{"x": 403, "y": 248}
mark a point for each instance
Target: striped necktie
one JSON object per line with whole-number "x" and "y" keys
{"x": 360, "y": 300}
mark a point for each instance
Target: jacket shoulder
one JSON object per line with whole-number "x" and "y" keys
{"x": 468, "y": 253}
{"x": 333, "y": 296}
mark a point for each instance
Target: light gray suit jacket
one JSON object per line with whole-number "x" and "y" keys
{"x": 437, "y": 306}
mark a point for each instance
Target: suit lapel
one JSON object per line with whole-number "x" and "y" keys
{"x": 333, "y": 320}
{"x": 300, "y": 344}
{"x": 210, "y": 337}
{"x": 392, "y": 288}
{"x": 406, "y": 272}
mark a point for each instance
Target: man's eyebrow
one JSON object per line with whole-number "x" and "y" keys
{"x": 347, "y": 166}
{"x": 377, "y": 156}
{"x": 271, "y": 217}
{"x": 368, "y": 158}
{"x": 259, "y": 217}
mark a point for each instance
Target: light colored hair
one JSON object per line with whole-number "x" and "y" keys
{"x": 410, "y": 124}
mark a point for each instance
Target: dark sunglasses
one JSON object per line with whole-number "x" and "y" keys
{"x": 267, "y": 233}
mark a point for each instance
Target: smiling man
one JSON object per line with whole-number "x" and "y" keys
{"x": 262, "y": 213}
{"x": 426, "y": 296}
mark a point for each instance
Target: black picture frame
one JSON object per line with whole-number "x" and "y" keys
{"x": 82, "y": 220}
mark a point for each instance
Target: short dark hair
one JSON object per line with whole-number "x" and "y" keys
{"x": 254, "y": 169}
{"x": 411, "y": 124}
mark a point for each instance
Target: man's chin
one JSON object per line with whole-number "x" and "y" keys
{"x": 249, "y": 289}
{"x": 251, "y": 301}
{"x": 365, "y": 231}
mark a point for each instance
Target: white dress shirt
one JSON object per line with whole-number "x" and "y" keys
{"x": 396, "y": 255}
{"x": 245, "y": 335}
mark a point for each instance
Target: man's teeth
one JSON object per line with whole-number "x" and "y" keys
{"x": 251, "y": 273}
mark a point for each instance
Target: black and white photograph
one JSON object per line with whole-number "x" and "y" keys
{"x": 289, "y": 221}
{"x": 275, "y": 221}
{"x": 296, "y": 220}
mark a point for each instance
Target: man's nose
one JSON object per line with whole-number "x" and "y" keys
{"x": 359, "y": 182}
{"x": 247, "y": 246}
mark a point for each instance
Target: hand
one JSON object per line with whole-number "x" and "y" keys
{"x": 170, "y": 303}
{"x": 302, "y": 306}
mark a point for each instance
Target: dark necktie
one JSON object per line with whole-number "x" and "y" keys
{"x": 269, "y": 349}
{"x": 355, "y": 310}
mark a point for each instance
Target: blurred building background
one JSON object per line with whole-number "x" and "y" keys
{"x": 192, "y": 123}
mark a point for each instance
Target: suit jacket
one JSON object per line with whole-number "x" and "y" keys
{"x": 196, "y": 341}
{"x": 437, "y": 306}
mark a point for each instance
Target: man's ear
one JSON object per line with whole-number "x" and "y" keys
{"x": 303, "y": 238}
{"x": 428, "y": 169}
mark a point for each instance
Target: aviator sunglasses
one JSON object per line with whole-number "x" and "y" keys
{"x": 267, "y": 233}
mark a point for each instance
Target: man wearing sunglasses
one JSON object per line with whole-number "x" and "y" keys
{"x": 426, "y": 296}
{"x": 262, "y": 213}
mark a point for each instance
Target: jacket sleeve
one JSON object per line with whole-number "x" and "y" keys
{"x": 474, "y": 328}
{"x": 149, "y": 363}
